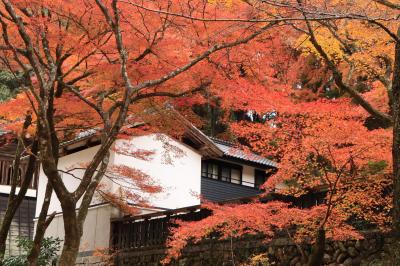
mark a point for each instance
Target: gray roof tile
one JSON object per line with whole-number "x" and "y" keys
{"x": 231, "y": 150}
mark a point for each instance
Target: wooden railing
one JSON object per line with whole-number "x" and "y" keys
{"x": 6, "y": 173}
{"x": 148, "y": 230}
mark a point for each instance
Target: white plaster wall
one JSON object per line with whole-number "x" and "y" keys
{"x": 180, "y": 178}
{"x": 65, "y": 163}
{"x": 96, "y": 229}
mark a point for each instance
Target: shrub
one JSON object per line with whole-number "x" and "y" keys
{"x": 48, "y": 252}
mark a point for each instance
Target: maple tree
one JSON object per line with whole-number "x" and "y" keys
{"x": 94, "y": 65}
{"x": 377, "y": 63}
{"x": 320, "y": 143}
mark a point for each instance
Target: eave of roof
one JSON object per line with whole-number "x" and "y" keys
{"x": 232, "y": 151}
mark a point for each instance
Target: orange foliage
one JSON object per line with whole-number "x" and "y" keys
{"x": 321, "y": 143}
{"x": 232, "y": 221}
{"x": 317, "y": 142}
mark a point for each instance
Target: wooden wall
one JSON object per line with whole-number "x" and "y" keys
{"x": 22, "y": 224}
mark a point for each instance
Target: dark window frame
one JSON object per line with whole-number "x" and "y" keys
{"x": 220, "y": 165}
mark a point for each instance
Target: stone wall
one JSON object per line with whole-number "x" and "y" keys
{"x": 279, "y": 252}
{"x": 89, "y": 259}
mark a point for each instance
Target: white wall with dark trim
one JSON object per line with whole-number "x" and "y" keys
{"x": 179, "y": 177}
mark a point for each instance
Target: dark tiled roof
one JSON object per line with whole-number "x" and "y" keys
{"x": 232, "y": 151}
{"x": 87, "y": 134}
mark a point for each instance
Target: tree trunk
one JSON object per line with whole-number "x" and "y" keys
{"x": 42, "y": 224}
{"x": 317, "y": 253}
{"x": 396, "y": 153}
{"x": 72, "y": 235}
{"x": 396, "y": 141}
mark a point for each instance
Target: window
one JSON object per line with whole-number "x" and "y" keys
{"x": 260, "y": 176}
{"x": 209, "y": 170}
{"x": 222, "y": 171}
